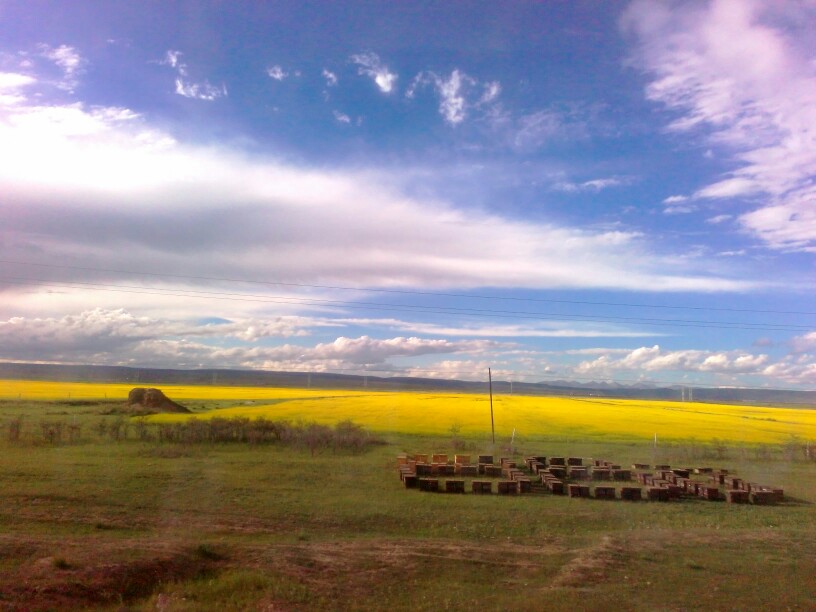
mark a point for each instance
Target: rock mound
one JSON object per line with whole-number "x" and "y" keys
{"x": 152, "y": 400}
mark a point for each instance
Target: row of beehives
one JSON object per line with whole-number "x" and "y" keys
{"x": 417, "y": 472}
{"x": 665, "y": 485}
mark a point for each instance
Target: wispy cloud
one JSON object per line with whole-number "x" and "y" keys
{"x": 277, "y": 73}
{"x": 734, "y": 70}
{"x": 594, "y": 185}
{"x": 531, "y": 131}
{"x": 679, "y": 209}
{"x": 458, "y": 93}
{"x": 341, "y": 117}
{"x": 545, "y": 329}
{"x": 369, "y": 64}
{"x": 185, "y": 87}
{"x": 331, "y": 78}
{"x": 69, "y": 61}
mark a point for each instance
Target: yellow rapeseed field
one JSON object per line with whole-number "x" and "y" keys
{"x": 437, "y": 413}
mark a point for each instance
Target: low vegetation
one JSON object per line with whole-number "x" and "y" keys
{"x": 238, "y": 512}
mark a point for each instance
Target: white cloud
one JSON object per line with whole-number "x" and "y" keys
{"x": 679, "y": 210}
{"x": 109, "y": 335}
{"x": 594, "y": 185}
{"x": 199, "y": 91}
{"x": 11, "y": 81}
{"x": 86, "y": 185}
{"x": 12, "y": 88}
{"x": 458, "y": 93}
{"x": 805, "y": 343}
{"x": 371, "y": 66}
{"x": 173, "y": 59}
{"x": 341, "y": 117}
{"x": 277, "y": 73}
{"x": 535, "y": 130}
{"x": 654, "y": 359}
{"x": 331, "y": 78}
{"x": 69, "y": 60}
{"x": 675, "y": 199}
{"x": 718, "y": 219}
{"x": 545, "y": 329}
{"x": 185, "y": 87}
{"x": 491, "y": 92}
{"x": 738, "y": 71}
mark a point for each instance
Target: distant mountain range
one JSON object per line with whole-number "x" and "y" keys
{"x": 157, "y": 377}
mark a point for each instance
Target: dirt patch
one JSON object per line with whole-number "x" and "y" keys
{"x": 592, "y": 565}
{"x": 58, "y": 583}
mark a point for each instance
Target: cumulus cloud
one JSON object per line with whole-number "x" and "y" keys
{"x": 100, "y": 331}
{"x": 119, "y": 337}
{"x": 740, "y": 73}
{"x": 12, "y": 86}
{"x": 341, "y": 117}
{"x": 805, "y": 343}
{"x": 655, "y": 359}
{"x": 202, "y": 90}
{"x": 369, "y": 64}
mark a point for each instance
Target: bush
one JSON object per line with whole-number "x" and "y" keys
{"x": 346, "y": 436}
{"x": 15, "y": 429}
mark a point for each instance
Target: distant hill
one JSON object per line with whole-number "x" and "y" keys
{"x": 260, "y": 378}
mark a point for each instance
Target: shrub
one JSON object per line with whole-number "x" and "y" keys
{"x": 15, "y": 428}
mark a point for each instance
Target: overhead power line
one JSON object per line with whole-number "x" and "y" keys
{"x": 504, "y": 314}
{"x": 409, "y": 292}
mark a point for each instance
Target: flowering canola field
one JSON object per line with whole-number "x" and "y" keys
{"x": 437, "y": 413}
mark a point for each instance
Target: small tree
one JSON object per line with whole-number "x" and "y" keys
{"x": 457, "y": 443}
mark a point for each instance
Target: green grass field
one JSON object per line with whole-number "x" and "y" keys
{"x": 100, "y": 523}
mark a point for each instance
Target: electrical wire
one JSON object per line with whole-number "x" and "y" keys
{"x": 409, "y": 292}
{"x": 505, "y": 314}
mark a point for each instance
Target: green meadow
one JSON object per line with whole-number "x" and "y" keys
{"x": 108, "y": 516}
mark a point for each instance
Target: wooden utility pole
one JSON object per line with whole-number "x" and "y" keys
{"x": 492, "y": 426}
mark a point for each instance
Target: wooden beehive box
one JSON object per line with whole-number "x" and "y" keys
{"x": 428, "y": 484}
{"x": 630, "y": 493}
{"x": 454, "y": 486}
{"x": 605, "y": 492}
{"x": 481, "y": 487}
{"x": 506, "y": 487}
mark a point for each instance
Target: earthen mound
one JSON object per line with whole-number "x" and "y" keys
{"x": 152, "y": 400}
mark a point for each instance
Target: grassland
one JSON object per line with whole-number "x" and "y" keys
{"x": 101, "y": 523}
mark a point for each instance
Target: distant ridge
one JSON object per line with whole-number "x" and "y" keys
{"x": 262, "y": 378}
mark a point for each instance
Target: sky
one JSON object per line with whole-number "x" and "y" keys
{"x": 586, "y": 191}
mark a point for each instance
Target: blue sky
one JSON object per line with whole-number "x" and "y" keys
{"x": 574, "y": 190}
